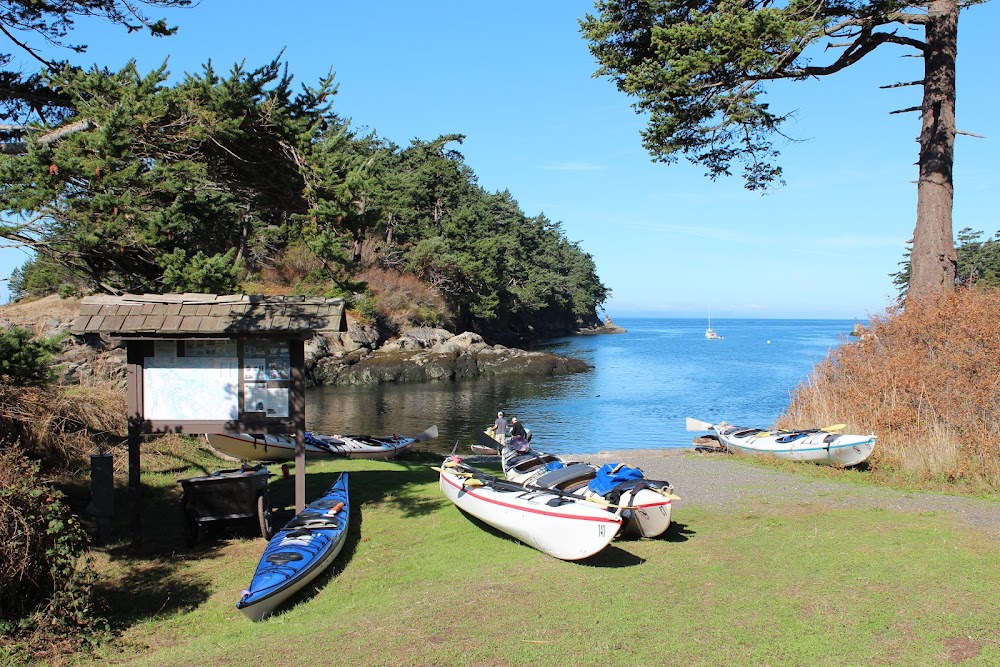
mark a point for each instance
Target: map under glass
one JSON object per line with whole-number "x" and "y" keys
{"x": 204, "y": 387}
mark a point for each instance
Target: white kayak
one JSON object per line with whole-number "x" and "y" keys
{"x": 272, "y": 447}
{"x": 644, "y": 504}
{"x": 558, "y": 524}
{"x": 818, "y": 445}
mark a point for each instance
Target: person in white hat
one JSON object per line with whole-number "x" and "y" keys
{"x": 500, "y": 429}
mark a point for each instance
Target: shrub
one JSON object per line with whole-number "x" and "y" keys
{"x": 45, "y": 579}
{"x": 24, "y": 360}
{"x": 924, "y": 379}
{"x": 367, "y": 307}
{"x": 405, "y": 300}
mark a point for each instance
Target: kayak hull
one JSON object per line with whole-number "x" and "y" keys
{"x": 268, "y": 447}
{"x": 818, "y": 447}
{"x": 557, "y": 524}
{"x": 648, "y": 512}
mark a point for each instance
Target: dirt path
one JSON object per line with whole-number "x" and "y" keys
{"x": 718, "y": 480}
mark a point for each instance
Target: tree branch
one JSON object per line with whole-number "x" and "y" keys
{"x": 900, "y": 85}
{"x": 861, "y": 47}
{"x": 24, "y": 46}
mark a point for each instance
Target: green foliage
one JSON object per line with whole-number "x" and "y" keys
{"x": 24, "y": 360}
{"x": 978, "y": 261}
{"x": 25, "y": 95}
{"x": 45, "y": 581}
{"x": 367, "y": 306}
{"x": 199, "y": 273}
{"x": 41, "y": 276}
{"x": 212, "y": 164}
{"x": 504, "y": 274}
{"x": 201, "y": 186}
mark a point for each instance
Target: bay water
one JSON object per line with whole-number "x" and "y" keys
{"x": 642, "y": 386}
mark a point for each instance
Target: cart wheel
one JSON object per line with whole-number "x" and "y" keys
{"x": 264, "y": 515}
{"x": 191, "y": 530}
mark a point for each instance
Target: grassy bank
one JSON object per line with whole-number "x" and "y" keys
{"x": 419, "y": 583}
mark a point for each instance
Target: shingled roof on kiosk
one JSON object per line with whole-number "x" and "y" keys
{"x": 183, "y": 315}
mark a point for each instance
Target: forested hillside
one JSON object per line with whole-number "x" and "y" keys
{"x": 239, "y": 182}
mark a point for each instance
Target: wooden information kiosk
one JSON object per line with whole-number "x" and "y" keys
{"x": 207, "y": 363}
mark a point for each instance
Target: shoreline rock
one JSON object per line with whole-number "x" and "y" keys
{"x": 423, "y": 354}
{"x": 608, "y": 327}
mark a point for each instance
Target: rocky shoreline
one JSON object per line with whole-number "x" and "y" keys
{"x": 421, "y": 355}
{"x": 360, "y": 356}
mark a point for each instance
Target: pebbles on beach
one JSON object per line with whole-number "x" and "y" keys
{"x": 718, "y": 480}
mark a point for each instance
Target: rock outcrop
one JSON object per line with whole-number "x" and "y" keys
{"x": 422, "y": 354}
{"x": 608, "y": 327}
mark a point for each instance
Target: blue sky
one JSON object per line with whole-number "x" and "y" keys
{"x": 515, "y": 77}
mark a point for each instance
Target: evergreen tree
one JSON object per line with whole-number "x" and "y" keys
{"x": 699, "y": 69}
{"x": 167, "y": 188}
{"x": 978, "y": 262}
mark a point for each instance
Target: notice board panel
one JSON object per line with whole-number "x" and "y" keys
{"x": 193, "y": 380}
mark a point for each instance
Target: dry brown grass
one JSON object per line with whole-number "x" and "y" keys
{"x": 404, "y": 300}
{"x": 34, "y": 314}
{"x": 61, "y": 425}
{"x": 926, "y": 380}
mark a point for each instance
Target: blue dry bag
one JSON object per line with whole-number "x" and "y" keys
{"x": 611, "y": 475}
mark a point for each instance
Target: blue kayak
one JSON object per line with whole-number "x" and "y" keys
{"x": 298, "y": 552}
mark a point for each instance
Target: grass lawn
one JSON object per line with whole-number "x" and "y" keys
{"x": 420, "y": 583}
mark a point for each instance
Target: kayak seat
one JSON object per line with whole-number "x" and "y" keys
{"x": 283, "y": 557}
{"x": 791, "y": 437}
{"x": 566, "y": 475}
{"x": 530, "y": 461}
{"x": 311, "y": 522}
{"x": 523, "y": 462}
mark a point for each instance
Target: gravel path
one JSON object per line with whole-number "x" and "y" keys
{"x": 716, "y": 480}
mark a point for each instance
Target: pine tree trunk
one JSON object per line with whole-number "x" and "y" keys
{"x": 933, "y": 256}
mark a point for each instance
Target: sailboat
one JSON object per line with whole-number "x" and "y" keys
{"x": 710, "y": 332}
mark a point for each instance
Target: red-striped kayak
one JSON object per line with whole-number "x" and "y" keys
{"x": 559, "y": 524}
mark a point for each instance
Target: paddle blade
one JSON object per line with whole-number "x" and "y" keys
{"x": 833, "y": 428}
{"x": 697, "y": 425}
{"x": 429, "y": 434}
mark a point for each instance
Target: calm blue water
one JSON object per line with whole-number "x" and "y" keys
{"x": 643, "y": 385}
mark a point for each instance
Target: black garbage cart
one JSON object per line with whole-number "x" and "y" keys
{"x": 225, "y": 495}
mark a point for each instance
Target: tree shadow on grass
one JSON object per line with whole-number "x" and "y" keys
{"x": 154, "y": 578}
{"x": 365, "y": 488}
